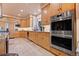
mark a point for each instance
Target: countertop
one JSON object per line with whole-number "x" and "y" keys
{"x": 33, "y": 31}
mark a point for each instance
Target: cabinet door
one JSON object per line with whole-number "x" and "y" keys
{"x": 46, "y": 15}
{"x": 23, "y": 23}
{"x": 67, "y": 6}
{"x": 32, "y": 36}
{"x": 16, "y": 34}
{"x": 28, "y": 22}
{"x": 39, "y": 38}
{"x": 22, "y": 34}
{"x": 54, "y": 9}
{"x": 44, "y": 40}
{"x": 77, "y": 11}
{"x": 2, "y": 46}
{"x": 26, "y": 35}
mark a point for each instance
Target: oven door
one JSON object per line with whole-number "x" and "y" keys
{"x": 62, "y": 42}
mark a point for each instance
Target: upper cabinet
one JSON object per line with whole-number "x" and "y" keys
{"x": 52, "y": 9}
{"x": 28, "y": 22}
{"x": 25, "y": 23}
{"x": 67, "y": 6}
{"x": 49, "y": 10}
{"x": 46, "y": 14}
{"x": 56, "y": 8}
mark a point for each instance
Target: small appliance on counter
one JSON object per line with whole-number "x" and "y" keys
{"x": 62, "y": 37}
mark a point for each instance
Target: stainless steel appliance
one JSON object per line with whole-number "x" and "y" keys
{"x": 62, "y": 32}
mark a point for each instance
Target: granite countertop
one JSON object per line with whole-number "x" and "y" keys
{"x": 34, "y": 31}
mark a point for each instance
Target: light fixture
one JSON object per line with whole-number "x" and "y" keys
{"x": 21, "y": 10}
{"x": 45, "y": 11}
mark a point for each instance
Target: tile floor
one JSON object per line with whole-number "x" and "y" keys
{"x": 24, "y": 47}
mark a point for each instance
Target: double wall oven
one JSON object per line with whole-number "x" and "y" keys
{"x": 62, "y": 31}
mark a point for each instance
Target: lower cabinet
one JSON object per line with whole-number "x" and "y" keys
{"x": 2, "y": 46}
{"x": 19, "y": 34}
{"x": 15, "y": 35}
{"x": 22, "y": 34}
{"x": 32, "y": 36}
{"x": 43, "y": 39}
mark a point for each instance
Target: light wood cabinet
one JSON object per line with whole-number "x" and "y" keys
{"x": 32, "y": 36}
{"x": 28, "y": 22}
{"x": 15, "y": 35}
{"x": 46, "y": 15}
{"x": 26, "y": 34}
{"x": 40, "y": 39}
{"x": 54, "y": 9}
{"x": 43, "y": 39}
{"x": 2, "y": 25}
{"x": 25, "y": 23}
{"x": 22, "y": 34}
{"x": 50, "y": 10}
{"x": 67, "y": 6}
{"x": 2, "y": 46}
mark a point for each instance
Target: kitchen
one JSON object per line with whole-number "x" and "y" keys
{"x": 51, "y": 26}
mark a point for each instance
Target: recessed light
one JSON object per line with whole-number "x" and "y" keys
{"x": 21, "y": 10}
{"x": 45, "y": 11}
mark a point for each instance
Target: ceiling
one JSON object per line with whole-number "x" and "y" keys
{"x": 20, "y": 9}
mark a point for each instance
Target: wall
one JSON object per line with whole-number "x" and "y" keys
{"x": 46, "y": 28}
{"x": 77, "y": 20}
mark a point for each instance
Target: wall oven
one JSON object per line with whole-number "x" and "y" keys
{"x": 62, "y": 31}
